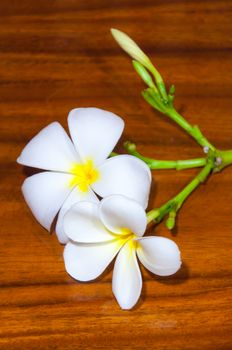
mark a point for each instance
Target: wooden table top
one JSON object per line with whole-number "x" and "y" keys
{"x": 57, "y": 55}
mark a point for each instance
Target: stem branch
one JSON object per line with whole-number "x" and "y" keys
{"x": 174, "y": 204}
{"x": 193, "y": 131}
{"x": 165, "y": 164}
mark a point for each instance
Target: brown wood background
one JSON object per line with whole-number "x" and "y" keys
{"x": 56, "y": 55}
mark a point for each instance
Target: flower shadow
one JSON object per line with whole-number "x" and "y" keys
{"x": 29, "y": 171}
{"x": 180, "y": 277}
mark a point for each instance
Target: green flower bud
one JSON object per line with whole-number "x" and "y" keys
{"x": 128, "y": 45}
{"x": 170, "y": 223}
{"x": 129, "y": 146}
{"x": 172, "y": 90}
{"x": 133, "y": 50}
{"x": 143, "y": 73}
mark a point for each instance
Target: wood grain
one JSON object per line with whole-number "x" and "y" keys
{"x": 56, "y": 55}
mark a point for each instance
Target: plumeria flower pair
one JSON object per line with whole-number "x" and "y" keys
{"x": 80, "y": 170}
{"x": 116, "y": 225}
{"x": 75, "y": 174}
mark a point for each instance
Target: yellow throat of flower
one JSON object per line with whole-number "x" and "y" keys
{"x": 129, "y": 237}
{"x": 84, "y": 175}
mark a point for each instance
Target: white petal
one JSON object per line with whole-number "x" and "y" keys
{"x": 159, "y": 255}
{"x": 45, "y": 193}
{"x": 50, "y": 149}
{"x": 127, "y": 280}
{"x": 117, "y": 212}
{"x": 95, "y": 132}
{"x": 74, "y": 197}
{"x": 126, "y": 175}
{"x": 82, "y": 224}
{"x": 87, "y": 262}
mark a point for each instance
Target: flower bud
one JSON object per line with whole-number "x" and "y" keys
{"x": 170, "y": 223}
{"x": 172, "y": 90}
{"x": 128, "y": 45}
{"x": 129, "y": 146}
{"x": 143, "y": 73}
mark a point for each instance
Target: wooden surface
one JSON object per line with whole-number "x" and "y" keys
{"x": 57, "y": 55}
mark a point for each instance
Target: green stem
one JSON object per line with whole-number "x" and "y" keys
{"x": 192, "y": 130}
{"x": 200, "y": 178}
{"x": 177, "y": 164}
{"x": 165, "y": 164}
{"x": 174, "y": 204}
{"x": 223, "y": 159}
{"x": 159, "y": 82}
{"x": 164, "y": 104}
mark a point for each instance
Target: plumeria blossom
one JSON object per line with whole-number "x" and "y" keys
{"x": 77, "y": 170}
{"x": 116, "y": 225}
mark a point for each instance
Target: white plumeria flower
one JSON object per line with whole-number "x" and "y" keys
{"x": 79, "y": 169}
{"x": 98, "y": 231}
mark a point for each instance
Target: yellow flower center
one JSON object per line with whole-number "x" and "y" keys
{"x": 132, "y": 243}
{"x": 127, "y": 236}
{"x": 84, "y": 175}
{"x": 125, "y": 231}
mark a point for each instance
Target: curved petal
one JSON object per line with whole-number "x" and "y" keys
{"x": 87, "y": 262}
{"x": 119, "y": 212}
{"x": 82, "y": 224}
{"x": 125, "y": 175}
{"x": 50, "y": 149}
{"x": 127, "y": 280}
{"x": 159, "y": 255}
{"x": 45, "y": 193}
{"x": 75, "y": 196}
{"x": 94, "y": 132}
